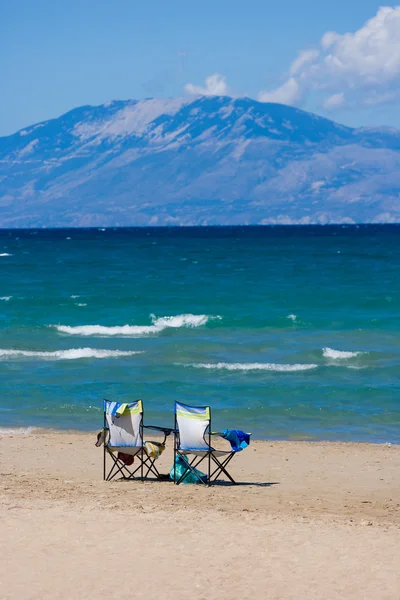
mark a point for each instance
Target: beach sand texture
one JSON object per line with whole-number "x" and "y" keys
{"x": 310, "y": 520}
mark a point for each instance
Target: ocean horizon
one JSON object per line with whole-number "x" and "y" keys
{"x": 287, "y": 331}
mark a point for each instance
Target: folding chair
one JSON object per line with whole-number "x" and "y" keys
{"x": 124, "y": 425}
{"x": 193, "y": 437}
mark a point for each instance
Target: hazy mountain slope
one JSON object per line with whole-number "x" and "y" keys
{"x": 203, "y": 161}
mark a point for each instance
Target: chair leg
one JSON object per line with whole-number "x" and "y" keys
{"x": 117, "y": 467}
{"x": 146, "y": 466}
{"x": 151, "y": 467}
{"x": 221, "y": 467}
{"x": 191, "y": 466}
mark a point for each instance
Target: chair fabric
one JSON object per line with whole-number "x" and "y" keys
{"x": 192, "y": 424}
{"x": 124, "y": 424}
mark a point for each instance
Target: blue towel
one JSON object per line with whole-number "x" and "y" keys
{"x": 239, "y": 439}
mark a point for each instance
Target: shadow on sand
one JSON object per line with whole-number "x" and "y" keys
{"x": 218, "y": 483}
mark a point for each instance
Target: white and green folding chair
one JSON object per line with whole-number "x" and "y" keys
{"x": 124, "y": 444}
{"x": 193, "y": 438}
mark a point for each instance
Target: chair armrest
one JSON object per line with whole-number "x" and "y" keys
{"x": 165, "y": 430}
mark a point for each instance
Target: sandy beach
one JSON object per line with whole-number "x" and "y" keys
{"x": 309, "y": 520}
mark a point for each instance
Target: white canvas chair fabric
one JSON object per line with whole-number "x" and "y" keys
{"x": 124, "y": 423}
{"x": 192, "y": 425}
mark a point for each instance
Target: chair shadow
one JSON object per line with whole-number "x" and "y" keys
{"x": 146, "y": 480}
{"x": 218, "y": 483}
{"x": 246, "y": 483}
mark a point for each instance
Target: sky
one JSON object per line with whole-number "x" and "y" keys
{"x": 338, "y": 59}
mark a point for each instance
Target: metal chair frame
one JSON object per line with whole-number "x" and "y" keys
{"x": 146, "y": 462}
{"x": 211, "y": 477}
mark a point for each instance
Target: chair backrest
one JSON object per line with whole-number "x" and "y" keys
{"x": 125, "y": 423}
{"x": 192, "y": 422}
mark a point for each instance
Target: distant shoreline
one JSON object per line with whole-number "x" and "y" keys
{"x": 310, "y": 226}
{"x": 8, "y": 432}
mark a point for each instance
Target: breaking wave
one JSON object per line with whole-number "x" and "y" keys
{"x": 132, "y": 330}
{"x": 72, "y": 354}
{"x": 158, "y": 325}
{"x": 5, "y": 254}
{"x": 5, "y": 298}
{"x": 334, "y": 354}
{"x": 253, "y": 366}
{"x": 17, "y": 431}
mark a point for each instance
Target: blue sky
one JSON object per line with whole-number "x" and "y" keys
{"x": 57, "y": 55}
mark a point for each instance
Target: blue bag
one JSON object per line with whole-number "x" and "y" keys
{"x": 181, "y": 466}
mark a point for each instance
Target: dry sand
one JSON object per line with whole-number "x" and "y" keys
{"x": 310, "y": 520}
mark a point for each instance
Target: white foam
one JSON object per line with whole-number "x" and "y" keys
{"x": 71, "y": 354}
{"x": 75, "y": 296}
{"x": 159, "y": 324}
{"x": 253, "y": 366}
{"x": 330, "y": 353}
{"x": 5, "y": 254}
{"x": 187, "y": 320}
{"x": 17, "y": 431}
{"x": 101, "y": 330}
{"x": 292, "y": 317}
{"x": 5, "y": 298}
{"x": 80, "y": 304}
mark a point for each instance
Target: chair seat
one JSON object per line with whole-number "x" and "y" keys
{"x": 204, "y": 452}
{"x": 132, "y": 450}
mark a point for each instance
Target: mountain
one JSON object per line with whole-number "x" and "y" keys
{"x": 209, "y": 160}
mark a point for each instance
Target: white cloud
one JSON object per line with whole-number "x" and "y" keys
{"x": 328, "y": 39}
{"x": 305, "y": 57}
{"x": 375, "y": 97}
{"x": 334, "y": 101}
{"x": 215, "y": 85}
{"x": 371, "y": 54}
{"x": 288, "y": 93}
{"x": 364, "y": 66}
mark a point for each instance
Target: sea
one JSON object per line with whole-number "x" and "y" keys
{"x": 287, "y": 332}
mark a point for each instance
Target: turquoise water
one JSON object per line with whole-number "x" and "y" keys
{"x": 287, "y": 332}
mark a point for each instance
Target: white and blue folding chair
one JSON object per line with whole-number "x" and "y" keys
{"x": 193, "y": 438}
{"x": 123, "y": 441}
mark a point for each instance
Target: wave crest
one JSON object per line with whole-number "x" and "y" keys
{"x": 188, "y": 320}
{"x": 253, "y": 366}
{"x": 335, "y": 354}
{"x": 71, "y": 354}
{"x": 159, "y": 324}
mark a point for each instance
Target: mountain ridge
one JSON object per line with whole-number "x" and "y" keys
{"x": 202, "y": 161}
